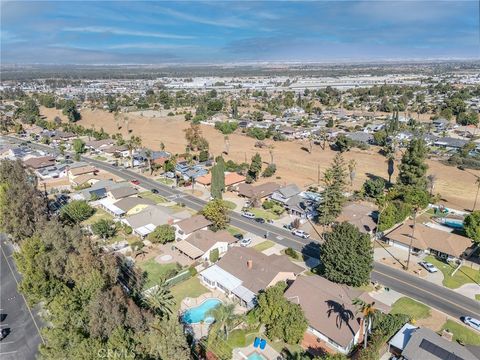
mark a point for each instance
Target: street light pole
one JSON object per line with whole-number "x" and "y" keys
{"x": 412, "y": 237}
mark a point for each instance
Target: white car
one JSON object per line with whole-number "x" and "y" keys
{"x": 245, "y": 242}
{"x": 301, "y": 233}
{"x": 248, "y": 215}
{"x": 472, "y": 322}
{"x": 428, "y": 266}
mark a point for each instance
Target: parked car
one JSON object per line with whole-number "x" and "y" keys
{"x": 3, "y": 333}
{"x": 135, "y": 182}
{"x": 238, "y": 236}
{"x": 270, "y": 221}
{"x": 472, "y": 322}
{"x": 245, "y": 242}
{"x": 260, "y": 220}
{"x": 155, "y": 191}
{"x": 428, "y": 266}
{"x": 301, "y": 233}
{"x": 288, "y": 226}
{"x": 248, "y": 215}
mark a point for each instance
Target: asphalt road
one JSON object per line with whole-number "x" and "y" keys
{"x": 21, "y": 323}
{"x": 441, "y": 298}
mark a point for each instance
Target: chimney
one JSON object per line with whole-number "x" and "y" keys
{"x": 249, "y": 264}
{"x": 447, "y": 335}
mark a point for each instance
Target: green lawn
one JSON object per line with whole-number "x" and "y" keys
{"x": 230, "y": 204}
{"x": 99, "y": 214}
{"x": 462, "y": 333}
{"x": 234, "y": 231}
{"x": 165, "y": 181}
{"x": 100, "y": 158}
{"x": 155, "y": 271}
{"x": 154, "y": 197}
{"x": 463, "y": 276}
{"x": 477, "y": 297}
{"x": 189, "y": 288}
{"x": 267, "y": 215}
{"x": 411, "y": 307}
{"x": 267, "y": 244}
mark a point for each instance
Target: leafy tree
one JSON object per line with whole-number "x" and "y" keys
{"x": 166, "y": 340}
{"x": 214, "y": 255}
{"x": 28, "y": 112}
{"x": 283, "y": 320}
{"x": 470, "y": 118}
{"x": 374, "y": 187}
{"x": 472, "y": 226}
{"x": 255, "y": 167}
{"x": 70, "y": 109}
{"x": 347, "y": 255}
{"x": 380, "y": 138}
{"x": 226, "y": 127}
{"x": 22, "y": 207}
{"x": 269, "y": 170}
{"x": 413, "y": 169}
{"x": 162, "y": 234}
{"x": 160, "y": 299}
{"x": 343, "y": 143}
{"x": 333, "y": 197}
{"x": 78, "y": 146}
{"x": 217, "y": 212}
{"x": 76, "y": 211}
{"x": 133, "y": 144}
{"x": 104, "y": 228}
{"x": 390, "y": 167}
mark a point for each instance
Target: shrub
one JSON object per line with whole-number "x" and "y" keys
{"x": 292, "y": 253}
{"x": 214, "y": 255}
{"x": 226, "y": 127}
{"x": 192, "y": 271}
{"x": 162, "y": 234}
{"x": 270, "y": 170}
{"x": 127, "y": 229}
{"x": 137, "y": 245}
{"x": 267, "y": 204}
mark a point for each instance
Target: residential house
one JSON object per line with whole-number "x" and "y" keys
{"x": 429, "y": 240}
{"x": 440, "y": 124}
{"x": 39, "y": 162}
{"x": 231, "y": 179}
{"x": 257, "y": 191}
{"x": 372, "y": 128}
{"x": 116, "y": 150}
{"x": 189, "y": 172}
{"x": 450, "y": 143}
{"x": 242, "y": 272}
{"x": 199, "y": 244}
{"x": 360, "y": 137}
{"x": 121, "y": 192}
{"x": 98, "y": 190}
{"x": 145, "y": 222}
{"x": 133, "y": 205}
{"x": 323, "y": 302}
{"x": 99, "y": 145}
{"x": 362, "y": 214}
{"x": 52, "y": 172}
{"x": 412, "y": 343}
{"x": 293, "y": 200}
{"x": 185, "y": 227}
{"x": 74, "y": 172}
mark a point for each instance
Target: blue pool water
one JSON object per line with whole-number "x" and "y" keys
{"x": 456, "y": 224}
{"x": 256, "y": 356}
{"x": 198, "y": 314}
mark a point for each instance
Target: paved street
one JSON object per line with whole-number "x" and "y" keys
{"x": 443, "y": 299}
{"x": 23, "y": 337}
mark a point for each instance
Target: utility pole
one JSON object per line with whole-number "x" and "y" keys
{"x": 318, "y": 174}
{"x": 476, "y": 196}
{"x": 412, "y": 237}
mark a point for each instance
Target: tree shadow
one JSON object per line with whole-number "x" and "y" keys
{"x": 343, "y": 315}
{"x": 371, "y": 176}
{"x": 312, "y": 249}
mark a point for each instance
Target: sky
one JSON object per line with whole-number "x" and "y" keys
{"x": 174, "y": 32}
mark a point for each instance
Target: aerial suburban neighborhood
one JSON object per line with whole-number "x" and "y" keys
{"x": 259, "y": 210}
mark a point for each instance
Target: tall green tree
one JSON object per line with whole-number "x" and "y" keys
{"x": 162, "y": 234}
{"x": 217, "y": 212}
{"x": 76, "y": 211}
{"x": 160, "y": 299}
{"x": 413, "y": 168}
{"x": 225, "y": 317}
{"x": 255, "y": 167}
{"x": 347, "y": 255}
{"x": 78, "y": 146}
{"x": 218, "y": 179}
{"x": 369, "y": 315}
{"x": 105, "y": 228}
{"x": 333, "y": 197}
{"x": 472, "y": 226}
{"x": 22, "y": 206}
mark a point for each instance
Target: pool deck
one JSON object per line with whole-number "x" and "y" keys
{"x": 243, "y": 353}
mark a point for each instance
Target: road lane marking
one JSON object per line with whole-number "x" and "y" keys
{"x": 25, "y": 300}
{"x": 8, "y": 352}
{"x": 427, "y": 292}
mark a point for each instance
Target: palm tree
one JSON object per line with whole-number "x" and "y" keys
{"x": 270, "y": 150}
{"x": 133, "y": 144}
{"x": 369, "y": 314}
{"x": 148, "y": 156}
{"x": 431, "y": 182}
{"x": 352, "y": 166}
{"x": 160, "y": 299}
{"x": 477, "y": 181}
{"x": 224, "y": 316}
{"x": 226, "y": 141}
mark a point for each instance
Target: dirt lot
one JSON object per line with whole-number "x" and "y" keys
{"x": 293, "y": 164}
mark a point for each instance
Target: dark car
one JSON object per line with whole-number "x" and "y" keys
{"x": 155, "y": 191}
{"x": 135, "y": 182}
{"x": 260, "y": 220}
{"x": 288, "y": 226}
{"x": 238, "y": 236}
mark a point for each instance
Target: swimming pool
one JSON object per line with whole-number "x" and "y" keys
{"x": 456, "y": 224}
{"x": 256, "y": 356}
{"x": 199, "y": 313}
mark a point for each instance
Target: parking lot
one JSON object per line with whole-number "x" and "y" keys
{"x": 16, "y": 319}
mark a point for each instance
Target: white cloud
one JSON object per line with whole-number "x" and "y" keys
{"x": 231, "y": 22}
{"x": 116, "y": 31}
{"x": 149, "y": 46}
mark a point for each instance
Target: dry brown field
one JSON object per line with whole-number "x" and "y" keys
{"x": 456, "y": 187}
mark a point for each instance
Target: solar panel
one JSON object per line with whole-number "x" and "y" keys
{"x": 438, "y": 351}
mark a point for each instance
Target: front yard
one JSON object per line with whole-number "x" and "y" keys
{"x": 462, "y": 333}
{"x": 154, "y": 197}
{"x": 267, "y": 244}
{"x": 464, "y": 275}
{"x": 411, "y": 307}
{"x": 265, "y": 214}
{"x": 98, "y": 215}
{"x": 165, "y": 181}
{"x": 189, "y": 288}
